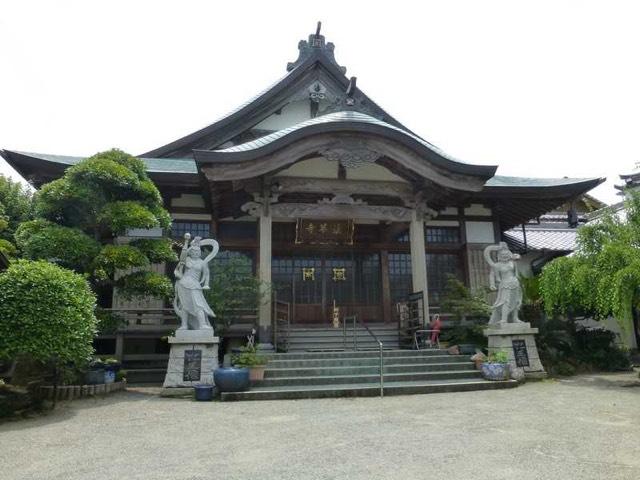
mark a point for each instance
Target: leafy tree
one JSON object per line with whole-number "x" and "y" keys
{"x": 233, "y": 290}
{"x": 16, "y": 206}
{"x": 461, "y": 302}
{"x": 602, "y": 278}
{"x": 81, "y": 215}
{"x": 45, "y": 311}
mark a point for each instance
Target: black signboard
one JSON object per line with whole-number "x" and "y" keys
{"x": 520, "y": 353}
{"x": 192, "y": 365}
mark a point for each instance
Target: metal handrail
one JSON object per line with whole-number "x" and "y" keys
{"x": 355, "y": 320}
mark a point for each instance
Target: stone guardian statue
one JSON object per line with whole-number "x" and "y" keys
{"x": 504, "y": 279}
{"x": 192, "y": 277}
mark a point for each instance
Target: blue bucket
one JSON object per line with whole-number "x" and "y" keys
{"x": 204, "y": 393}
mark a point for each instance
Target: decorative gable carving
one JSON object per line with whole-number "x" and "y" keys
{"x": 351, "y": 157}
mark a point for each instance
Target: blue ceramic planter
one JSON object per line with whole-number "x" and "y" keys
{"x": 231, "y": 379}
{"x": 495, "y": 371}
{"x": 109, "y": 375}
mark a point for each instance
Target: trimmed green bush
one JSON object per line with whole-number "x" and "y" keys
{"x": 68, "y": 247}
{"x": 119, "y": 216}
{"x": 82, "y": 214}
{"x": 46, "y": 312}
{"x": 156, "y": 250}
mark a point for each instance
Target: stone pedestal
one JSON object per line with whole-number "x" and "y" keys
{"x": 518, "y": 341}
{"x": 193, "y": 359}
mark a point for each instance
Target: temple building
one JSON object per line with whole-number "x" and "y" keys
{"x": 331, "y": 200}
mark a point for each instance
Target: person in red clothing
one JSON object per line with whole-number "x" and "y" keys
{"x": 435, "y": 326}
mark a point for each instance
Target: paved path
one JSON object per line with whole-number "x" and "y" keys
{"x": 583, "y": 428}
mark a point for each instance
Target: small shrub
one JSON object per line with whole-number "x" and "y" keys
{"x": 248, "y": 357}
{"x": 45, "y": 312}
{"x": 461, "y": 302}
{"x": 498, "y": 357}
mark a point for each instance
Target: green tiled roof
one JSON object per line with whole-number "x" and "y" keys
{"x": 503, "y": 181}
{"x": 154, "y": 165}
{"x": 188, "y": 165}
{"x": 337, "y": 117}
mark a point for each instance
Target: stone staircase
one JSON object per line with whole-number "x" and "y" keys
{"x": 357, "y": 374}
{"x": 306, "y": 339}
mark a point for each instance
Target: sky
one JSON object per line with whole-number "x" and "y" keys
{"x": 545, "y": 88}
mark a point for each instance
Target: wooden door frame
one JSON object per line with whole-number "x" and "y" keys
{"x": 323, "y": 255}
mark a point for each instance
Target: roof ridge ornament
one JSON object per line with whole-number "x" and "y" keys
{"x": 351, "y": 88}
{"x": 315, "y": 44}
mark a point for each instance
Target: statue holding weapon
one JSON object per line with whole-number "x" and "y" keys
{"x": 192, "y": 274}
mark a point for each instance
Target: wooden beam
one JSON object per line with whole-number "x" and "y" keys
{"x": 349, "y": 187}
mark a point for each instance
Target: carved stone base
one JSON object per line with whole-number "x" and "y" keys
{"x": 518, "y": 341}
{"x": 193, "y": 358}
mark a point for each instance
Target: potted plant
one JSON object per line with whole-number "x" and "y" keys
{"x": 496, "y": 367}
{"x": 111, "y": 368}
{"x": 95, "y": 373}
{"x": 102, "y": 371}
{"x": 248, "y": 358}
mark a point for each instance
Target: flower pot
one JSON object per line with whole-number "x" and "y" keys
{"x": 495, "y": 371}
{"x": 109, "y": 375}
{"x": 231, "y": 379}
{"x": 204, "y": 393}
{"x": 256, "y": 372}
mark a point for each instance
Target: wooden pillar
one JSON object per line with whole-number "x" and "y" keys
{"x": 264, "y": 274}
{"x": 119, "y": 353}
{"x": 386, "y": 286}
{"x": 419, "y": 260}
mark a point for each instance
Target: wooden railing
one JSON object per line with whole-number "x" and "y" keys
{"x": 411, "y": 317}
{"x": 146, "y": 319}
{"x": 281, "y": 323}
{"x": 165, "y": 319}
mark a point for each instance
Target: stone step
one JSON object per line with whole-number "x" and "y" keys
{"x": 372, "y": 326}
{"x": 367, "y": 361}
{"x": 301, "y": 339}
{"x": 336, "y": 347}
{"x": 335, "y": 380}
{"x": 339, "y": 333}
{"x": 357, "y": 354}
{"x": 365, "y": 389}
{"x": 364, "y": 369}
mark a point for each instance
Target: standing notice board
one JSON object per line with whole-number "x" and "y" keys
{"x": 520, "y": 353}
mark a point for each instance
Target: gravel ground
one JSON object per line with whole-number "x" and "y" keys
{"x": 584, "y": 428}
